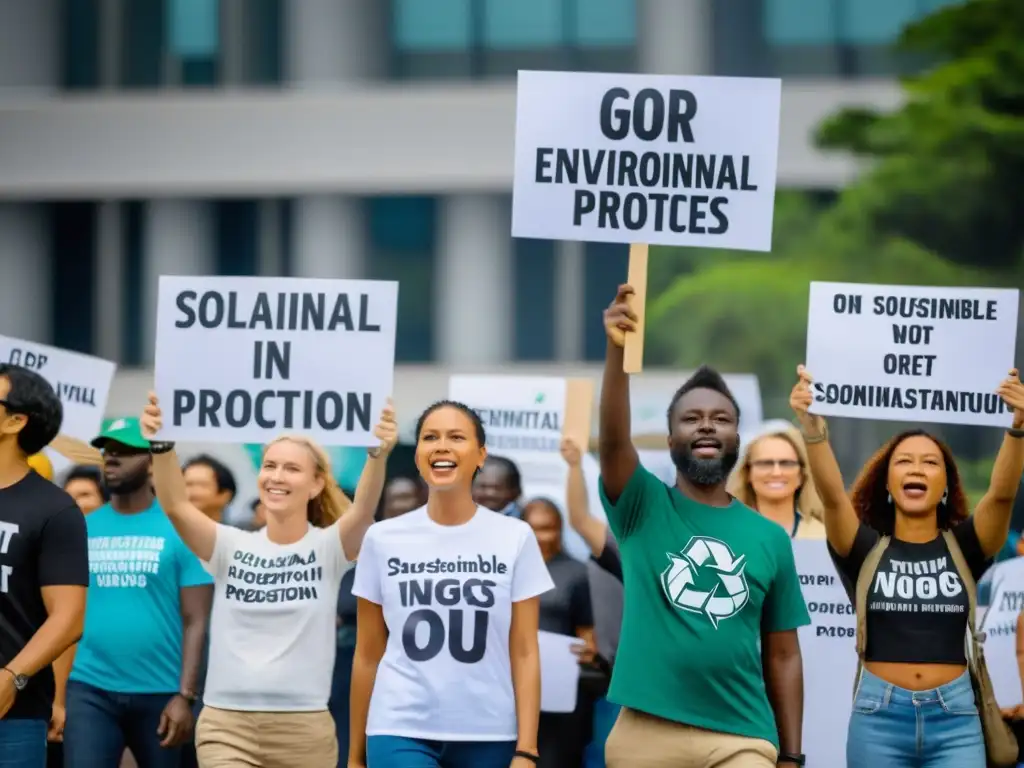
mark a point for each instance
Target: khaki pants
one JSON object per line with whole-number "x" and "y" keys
{"x": 232, "y": 739}
{"x": 643, "y": 741}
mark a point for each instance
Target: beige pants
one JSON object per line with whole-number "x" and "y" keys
{"x": 232, "y": 739}
{"x": 643, "y": 741}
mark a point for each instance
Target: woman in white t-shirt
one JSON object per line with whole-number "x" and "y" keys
{"x": 272, "y": 633}
{"x": 447, "y": 666}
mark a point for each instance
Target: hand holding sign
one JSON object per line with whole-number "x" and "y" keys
{"x": 619, "y": 319}
{"x": 800, "y": 400}
{"x": 1012, "y": 392}
{"x": 387, "y": 429}
{"x": 571, "y": 452}
{"x": 152, "y": 418}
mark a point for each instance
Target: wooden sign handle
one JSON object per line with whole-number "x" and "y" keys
{"x": 633, "y": 357}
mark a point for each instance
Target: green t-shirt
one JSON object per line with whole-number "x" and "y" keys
{"x": 701, "y": 583}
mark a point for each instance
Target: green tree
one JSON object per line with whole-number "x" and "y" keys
{"x": 949, "y": 163}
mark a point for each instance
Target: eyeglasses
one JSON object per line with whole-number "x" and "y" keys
{"x": 786, "y": 465}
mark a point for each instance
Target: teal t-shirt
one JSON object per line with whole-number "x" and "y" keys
{"x": 138, "y": 566}
{"x": 700, "y": 584}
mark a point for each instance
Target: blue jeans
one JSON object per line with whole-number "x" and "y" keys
{"x": 23, "y": 743}
{"x": 897, "y": 728}
{"x": 101, "y": 724}
{"x": 400, "y": 752}
{"x": 604, "y": 720}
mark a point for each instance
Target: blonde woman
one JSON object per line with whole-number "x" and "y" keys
{"x": 272, "y": 635}
{"x": 773, "y": 478}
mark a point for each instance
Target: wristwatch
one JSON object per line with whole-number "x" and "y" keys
{"x": 789, "y": 757}
{"x": 20, "y": 681}
{"x": 158, "y": 447}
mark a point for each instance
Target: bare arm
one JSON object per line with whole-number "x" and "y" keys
{"x": 524, "y": 656}
{"x": 841, "y": 522}
{"x": 784, "y": 679}
{"x": 61, "y": 672}
{"x": 353, "y": 525}
{"x": 617, "y": 454}
{"x": 371, "y": 640}
{"x": 195, "y": 612}
{"x": 65, "y": 617}
{"x": 592, "y": 530}
{"x": 992, "y": 515}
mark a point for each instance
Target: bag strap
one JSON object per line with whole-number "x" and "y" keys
{"x": 964, "y": 570}
{"x": 864, "y": 579}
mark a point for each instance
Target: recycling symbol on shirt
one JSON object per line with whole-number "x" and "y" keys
{"x": 722, "y": 591}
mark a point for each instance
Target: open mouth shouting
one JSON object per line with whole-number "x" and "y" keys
{"x": 706, "y": 448}
{"x": 915, "y": 489}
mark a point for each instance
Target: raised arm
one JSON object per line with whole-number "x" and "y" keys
{"x": 371, "y": 640}
{"x": 992, "y": 515}
{"x": 592, "y": 530}
{"x": 353, "y": 524}
{"x": 197, "y": 530}
{"x": 618, "y": 457}
{"x": 841, "y": 522}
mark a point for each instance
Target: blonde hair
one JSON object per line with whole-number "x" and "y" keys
{"x": 331, "y": 503}
{"x": 808, "y": 503}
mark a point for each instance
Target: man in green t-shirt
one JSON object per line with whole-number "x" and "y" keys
{"x": 708, "y": 670}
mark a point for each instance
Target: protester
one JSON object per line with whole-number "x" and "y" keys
{"x": 272, "y": 638}
{"x": 604, "y": 551}
{"x": 772, "y": 477}
{"x": 211, "y": 486}
{"x": 85, "y": 485}
{"x": 420, "y": 696}
{"x": 914, "y": 703}
{"x": 401, "y": 495}
{"x": 565, "y": 610}
{"x": 701, "y": 623}
{"x": 136, "y": 671}
{"x": 44, "y": 568}
{"x": 499, "y": 486}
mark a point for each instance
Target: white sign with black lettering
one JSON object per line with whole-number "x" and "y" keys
{"x": 82, "y": 383}
{"x": 519, "y": 413}
{"x": 1000, "y": 628}
{"x": 244, "y": 359}
{"x": 829, "y": 649}
{"x": 657, "y": 159}
{"x": 911, "y": 353}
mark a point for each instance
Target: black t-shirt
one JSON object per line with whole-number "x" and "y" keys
{"x": 610, "y": 560}
{"x": 348, "y": 607}
{"x": 42, "y": 543}
{"x": 567, "y": 606}
{"x": 917, "y": 603}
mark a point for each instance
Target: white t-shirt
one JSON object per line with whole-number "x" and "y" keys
{"x": 273, "y": 632}
{"x": 447, "y": 594}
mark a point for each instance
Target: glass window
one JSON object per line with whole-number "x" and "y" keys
{"x": 432, "y": 25}
{"x": 237, "y": 237}
{"x": 80, "y": 39}
{"x": 800, "y": 22}
{"x": 606, "y": 269}
{"x": 264, "y": 31}
{"x": 142, "y": 43}
{"x": 402, "y": 244}
{"x": 604, "y": 22}
{"x": 875, "y": 22}
{"x": 523, "y": 24}
{"x": 131, "y": 312}
{"x": 534, "y": 299}
{"x": 73, "y": 259}
{"x": 193, "y": 28}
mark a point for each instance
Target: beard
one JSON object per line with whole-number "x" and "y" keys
{"x": 127, "y": 484}
{"x": 705, "y": 472}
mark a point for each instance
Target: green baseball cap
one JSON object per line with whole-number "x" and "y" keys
{"x": 125, "y": 431}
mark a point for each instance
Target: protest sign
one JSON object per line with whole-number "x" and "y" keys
{"x": 829, "y": 650}
{"x": 244, "y": 359}
{"x": 82, "y": 383}
{"x": 1000, "y": 631}
{"x": 911, "y": 353}
{"x": 656, "y": 159}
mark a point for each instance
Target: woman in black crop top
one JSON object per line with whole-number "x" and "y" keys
{"x": 914, "y": 706}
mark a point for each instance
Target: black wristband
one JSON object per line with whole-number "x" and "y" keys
{"x": 535, "y": 759}
{"x": 1014, "y": 432}
{"x": 789, "y": 757}
{"x": 161, "y": 447}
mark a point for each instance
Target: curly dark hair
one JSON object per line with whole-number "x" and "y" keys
{"x": 870, "y": 496}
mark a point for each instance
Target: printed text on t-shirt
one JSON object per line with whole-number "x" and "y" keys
{"x": 284, "y": 579}
{"x": 928, "y": 586}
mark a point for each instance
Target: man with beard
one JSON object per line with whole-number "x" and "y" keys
{"x": 44, "y": 571}
{"x": 135, "y": 676}
{"x": 708, "y": 670}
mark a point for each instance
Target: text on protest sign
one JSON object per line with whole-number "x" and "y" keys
{"x": 651, "y": 159}
{"x": 1000, "y": 629}
{"x": 243, "y": 359}
{"x": 911, "y": 353}
{"x": 82, "y": 382}
{"x": 519, "y": 413}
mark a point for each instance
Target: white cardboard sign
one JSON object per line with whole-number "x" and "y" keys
{"x": 244, "y": 359}
{"x": 657, "y": 159}
{"x": 519, "y": 413}
{"x": 911, "y": 353}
